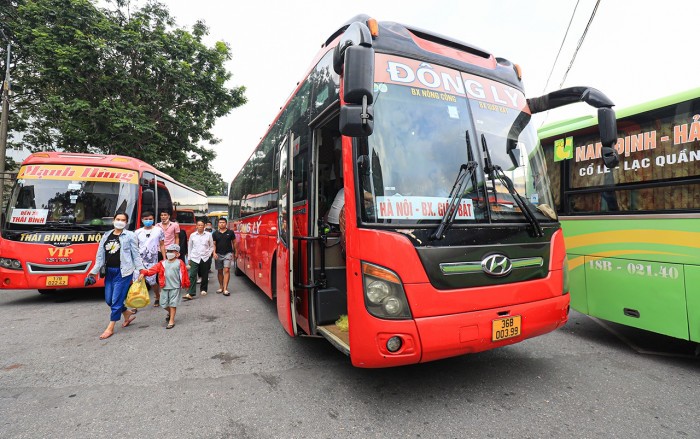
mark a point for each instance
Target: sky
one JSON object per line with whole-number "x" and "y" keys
{"x": 634, "y": 51}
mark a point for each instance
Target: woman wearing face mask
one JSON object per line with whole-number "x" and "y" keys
{"x": 119, "y": 253}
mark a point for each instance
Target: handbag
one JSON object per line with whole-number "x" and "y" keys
{"x": 137, "y": 297}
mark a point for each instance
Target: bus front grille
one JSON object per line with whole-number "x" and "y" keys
{"x": 70, "y": 268}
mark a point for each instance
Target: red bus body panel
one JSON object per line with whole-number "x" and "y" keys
{"x": 56, "y": 249}
{"x": 445, "y": 323}
{"x": 37, "y": 253}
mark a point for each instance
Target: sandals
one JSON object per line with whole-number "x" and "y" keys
{"x": 219, "y": 291}
{"x": 157, "y": 302}
{"x": 128, "y": 321}
{"x": 226, "y": 293}
{"x": 187, "y": 297}
{"x": 106, "y": 335}
{"x": 170, "y": 326}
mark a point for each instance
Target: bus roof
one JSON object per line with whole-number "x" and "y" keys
{"x": 429, "y": 46}
{"x": 424, "y": 45}
{"x": 568, "y": 125}
{"x": 118, "y": 161}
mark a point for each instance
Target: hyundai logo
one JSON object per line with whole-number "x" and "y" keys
{"x": 496, "y": 265}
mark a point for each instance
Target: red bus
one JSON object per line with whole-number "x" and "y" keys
{"x": 62, "y": 203}
{"x": 450, "y": 245}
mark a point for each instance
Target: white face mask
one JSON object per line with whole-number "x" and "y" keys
{"x": 119, "y": 224}
{"x": 170, "y": 255}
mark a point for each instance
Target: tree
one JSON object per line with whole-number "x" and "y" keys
{"x": 119, "y": 81}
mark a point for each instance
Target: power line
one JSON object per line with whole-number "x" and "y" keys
{"x": 560, "y": 47}
{"x": 580, "y": 42}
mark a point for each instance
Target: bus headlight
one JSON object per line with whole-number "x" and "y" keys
{"x": 377, "y": 291}
{"x": 384, "y": 294}
{"x": 392, "y": 306}
{"x": 12, "y": 264}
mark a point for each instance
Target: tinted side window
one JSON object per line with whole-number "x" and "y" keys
{"x": 165, "y": 202}
{"x": 325, "y": 83}
{"x": 185, "y": 217}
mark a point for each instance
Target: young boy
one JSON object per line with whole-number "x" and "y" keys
{"x": 172, "y": 275}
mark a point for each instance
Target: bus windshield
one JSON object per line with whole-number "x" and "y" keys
{"x": 419, "y": 143}
{"x": 41, "y": 204}
{"x": 513, "y": 146}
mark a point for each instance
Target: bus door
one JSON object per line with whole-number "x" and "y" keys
{"x": 284, "y": 285}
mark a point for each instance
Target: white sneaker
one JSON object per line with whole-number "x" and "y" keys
{"x": 203, "y": 293}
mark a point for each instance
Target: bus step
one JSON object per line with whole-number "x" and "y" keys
{"x": 339, "y": 339}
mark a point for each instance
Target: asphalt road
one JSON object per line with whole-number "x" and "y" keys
{"x": 228, "y": 370}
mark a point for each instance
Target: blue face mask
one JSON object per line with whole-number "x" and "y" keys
{"x": 148, "y": 223}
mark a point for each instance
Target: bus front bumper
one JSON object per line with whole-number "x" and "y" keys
{"x": 438, "y": 337}
{"x": 21, "y": 280}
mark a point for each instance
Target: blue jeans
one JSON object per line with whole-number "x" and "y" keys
{"x": 116, "y": 288}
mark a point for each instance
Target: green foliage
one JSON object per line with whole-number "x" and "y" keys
{"x": 116, "y": 80}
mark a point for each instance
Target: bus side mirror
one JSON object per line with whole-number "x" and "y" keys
{"x": 607, "y": 126}
{"x": 358, "y": 77}
{"x": 512, "y": 149}
{"x": 356, "y": 34}
{"x": 357, "y": 115}
{"x": 356, "y": 120}
{"x": 353, "y": 58}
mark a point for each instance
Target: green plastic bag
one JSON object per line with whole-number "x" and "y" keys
{"x": 137, "y": 297}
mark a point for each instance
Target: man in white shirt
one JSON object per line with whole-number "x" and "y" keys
{"x": 201, "y": 249}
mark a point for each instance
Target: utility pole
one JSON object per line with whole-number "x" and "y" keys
{"x": 3, "y": 126}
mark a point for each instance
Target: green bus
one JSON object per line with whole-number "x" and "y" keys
{"x": 632, "y": 233}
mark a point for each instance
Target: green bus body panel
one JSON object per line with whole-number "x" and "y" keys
{"x": 577, "y": 284}
{"x": 639, "y": 265}
{"x": 692, "y": 282}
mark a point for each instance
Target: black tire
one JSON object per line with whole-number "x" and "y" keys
{"x": 46, "y": 291}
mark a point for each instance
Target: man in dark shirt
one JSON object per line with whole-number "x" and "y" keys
{"x": 224, "y": 254}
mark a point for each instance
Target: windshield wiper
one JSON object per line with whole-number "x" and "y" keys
{"x": 456, "y": 195}
{"x": 495, "y": 170}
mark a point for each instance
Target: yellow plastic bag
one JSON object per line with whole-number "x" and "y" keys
{"x": 138, "y": 295}
{"x": 342, "y": 323}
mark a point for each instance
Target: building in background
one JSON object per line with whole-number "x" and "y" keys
{"x": 217, "y": 203}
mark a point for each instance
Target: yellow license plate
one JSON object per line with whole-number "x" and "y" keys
{"x": 507, "y": 327}
{"x": 56, "y": 281}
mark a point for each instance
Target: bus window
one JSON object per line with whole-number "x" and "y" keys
{"x": 164, "y": 201}
{"x": 185, "y": 216}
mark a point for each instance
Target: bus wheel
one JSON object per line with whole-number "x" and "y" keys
{"x": 237, "y": 271}
{"x": 45, "y": 291}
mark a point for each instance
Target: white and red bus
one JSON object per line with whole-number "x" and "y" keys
{"x": 451, "y": 245}
{"x": 62, "y": 203}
